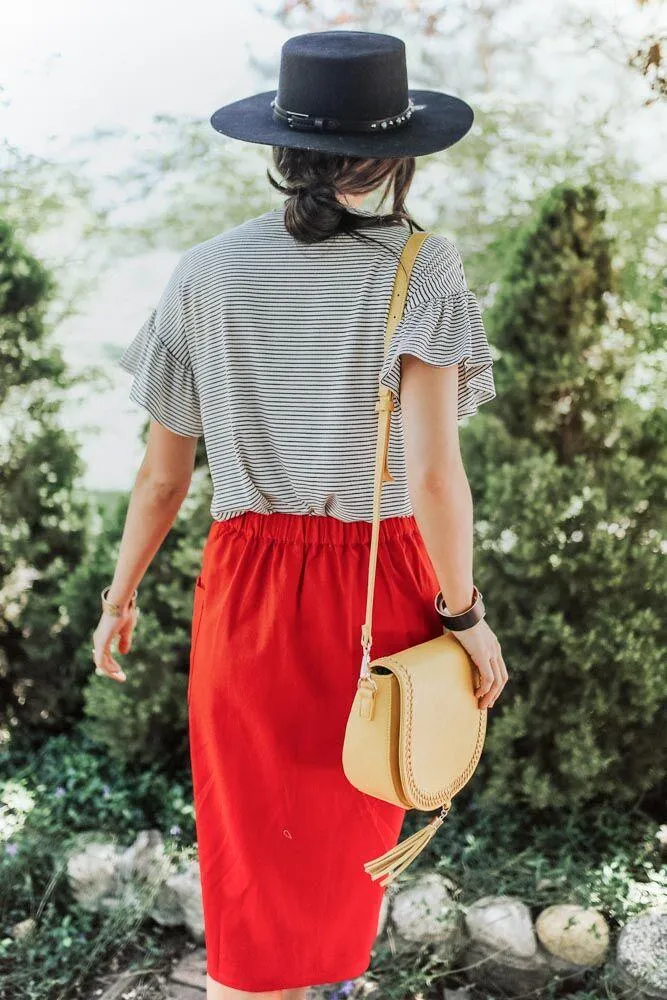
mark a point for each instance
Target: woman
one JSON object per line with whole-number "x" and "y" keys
{"x": 268, "y": 341}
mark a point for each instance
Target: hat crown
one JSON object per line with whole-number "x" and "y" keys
{"x": 343, "y": 74}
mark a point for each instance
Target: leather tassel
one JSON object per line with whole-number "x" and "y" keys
{"x": 396, "y": 860}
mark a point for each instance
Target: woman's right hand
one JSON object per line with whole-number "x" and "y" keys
{"x": 481, "y": 643}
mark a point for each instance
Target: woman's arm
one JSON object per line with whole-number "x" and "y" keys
{"x": 442, "y": 503}
{"x": 161, "y": 485}
{"x": 437, "y": 482}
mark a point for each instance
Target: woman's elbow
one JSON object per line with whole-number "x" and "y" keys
{"x": 438, "y": 480}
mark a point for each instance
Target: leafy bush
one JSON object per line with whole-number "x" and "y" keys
{"x": 43, "y": 507}
{"x": 144, "y": 720}
{"x": 569, "y": 475}
{"x": 71, "y": 784}
{"x": 49, "y": 795}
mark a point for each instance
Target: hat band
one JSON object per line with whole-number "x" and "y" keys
{"x": 300, "y": 121}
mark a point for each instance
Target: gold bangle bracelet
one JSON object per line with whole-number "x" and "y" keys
{"x": 115, "y": 609}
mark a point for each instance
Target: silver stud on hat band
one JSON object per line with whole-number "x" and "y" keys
{"x": 299, "y": 120}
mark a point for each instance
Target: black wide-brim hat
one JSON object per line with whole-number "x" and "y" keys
{"x": 347, "y": 92}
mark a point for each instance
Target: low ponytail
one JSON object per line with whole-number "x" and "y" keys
{"x": 312, "y": 179}
{"x": 313, "y": 212}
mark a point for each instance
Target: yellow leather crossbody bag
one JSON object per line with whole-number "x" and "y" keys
{"x": 415, "y": 733}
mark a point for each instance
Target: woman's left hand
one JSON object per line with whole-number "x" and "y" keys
{"x": 108, "y": 627}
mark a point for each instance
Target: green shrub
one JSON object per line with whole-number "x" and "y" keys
{"x": 43, "y": 507}
{"x": 144, "y": 719}
{"x": 71, "y": 784}
{"x": 50, "y": 794}
{"x": 569, "y": 477}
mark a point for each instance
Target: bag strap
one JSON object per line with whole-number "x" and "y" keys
{"x": 384, "y": 407}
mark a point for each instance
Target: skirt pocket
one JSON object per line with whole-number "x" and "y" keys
{"x": 197, "y": 611}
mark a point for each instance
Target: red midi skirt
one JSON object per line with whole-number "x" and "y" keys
{"x": 276, "y": 651}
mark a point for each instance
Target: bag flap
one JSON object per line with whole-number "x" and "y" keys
{"x": 442, "y": 729}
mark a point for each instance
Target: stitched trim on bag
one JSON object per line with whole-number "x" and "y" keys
{"x": 435, "y": 798}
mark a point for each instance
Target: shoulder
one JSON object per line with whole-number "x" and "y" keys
{"x": 230, "y": 253}
{"x": 231, "y": 239}
{"x": 438, "y": 270}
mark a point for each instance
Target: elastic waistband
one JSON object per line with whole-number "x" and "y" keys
{"x": 313, "y": 528}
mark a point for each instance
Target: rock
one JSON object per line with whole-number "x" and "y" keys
{"x": 23, "y": 928}
{"x": 191, "y": 970}
{"x": 661, "y": 838}
{"x": 502, "y": 922}
{"x": 186, "y": 886}
{"x": 503, "y": 951}
{"x": 104, "y": 877}
{"x": 166, "y": 908}
{"x": 574, "y": 934}
{"x": 145, "y": 860}
{"x": 646, "y": 895}
{"x": 176, "y": 991}
{"x": 425, "y": 913}
{"x": 641, "y": 955}
{"x": 92, "y": 875}
{"x": 462, "y": 994}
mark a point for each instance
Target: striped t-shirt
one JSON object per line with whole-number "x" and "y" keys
{"x": 273, "y": 351}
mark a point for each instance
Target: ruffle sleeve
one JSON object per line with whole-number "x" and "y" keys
{"x": 442, "y": 325}
{"x": 164, "y": 382}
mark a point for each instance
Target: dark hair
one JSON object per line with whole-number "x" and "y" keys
{"x": 312, "y": 178}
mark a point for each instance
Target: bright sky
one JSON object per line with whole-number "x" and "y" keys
{"x": 116, "y": 63}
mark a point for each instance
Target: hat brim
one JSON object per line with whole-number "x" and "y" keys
{"x": 439, "y": 123}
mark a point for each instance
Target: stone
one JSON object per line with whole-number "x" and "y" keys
{"x": 23, "y": 928}
{"x": 576, "y": 935}
{"x": 191, "y": 970}
{"x": 176, "y": 991}
{"x": 91, "y": 872}
{"x": 186, "y": 886}
{"x": 641, "y": 955}
{"x": 502, "y": 922}
{"x": 141, "y": 872}
{"x": 425, "y": 913}
{"x": 145, "y": 860}
{"x": 166, "y": 908}
{"x": 503, "y": 952}
{"x": 462, "y": 994}
{"x": 661, "y": 838}
{"x": 647, "y": 894}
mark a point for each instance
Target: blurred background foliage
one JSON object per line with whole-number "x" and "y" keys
{"x": 563, "y": 238}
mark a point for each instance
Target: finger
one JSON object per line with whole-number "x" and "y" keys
{"x": 502, "y": 670}
{"x": 109, "y": 666}
{"x": 125, "y": 637}
{"x": 486, "y": 678}
{"x": 126, "y": 632}
{"x": 497, "y": 686}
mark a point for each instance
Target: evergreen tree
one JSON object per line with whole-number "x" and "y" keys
{"x": 43, "y": 512}
{"x": 568, "y": 473}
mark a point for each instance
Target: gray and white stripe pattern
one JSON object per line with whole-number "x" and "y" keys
{"x": 273, "y": 350}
